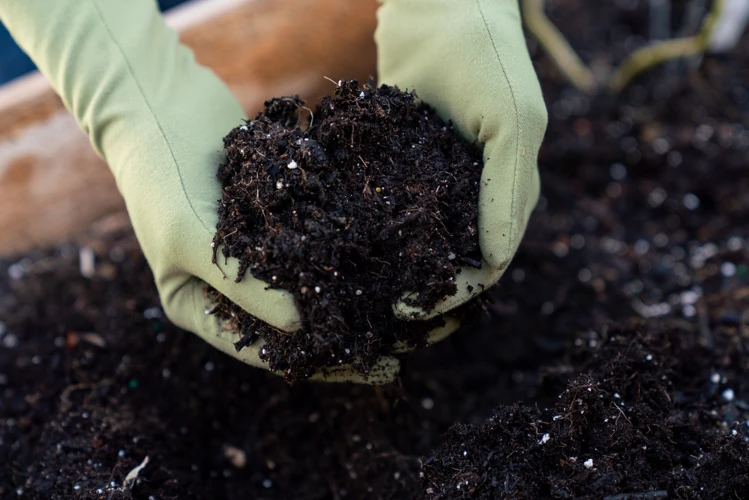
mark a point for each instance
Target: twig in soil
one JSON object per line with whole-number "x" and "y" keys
{"x": 129, "y": 481}
{"x": 311, "y": 116}
{"x": 389, "y": 230}
{"x": 337, "y": 84}
{"x": 65, "y": 402}
{"x": 623, "y": 415}
{"x": 302, "y": 106}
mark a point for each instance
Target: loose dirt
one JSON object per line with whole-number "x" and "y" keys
{"x": 375, "y": 199}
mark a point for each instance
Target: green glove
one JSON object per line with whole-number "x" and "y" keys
{"x": 158, "y": 119}
{"x": 468, "y": 60}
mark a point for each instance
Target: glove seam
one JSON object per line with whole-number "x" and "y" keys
{"x": 513, "y": 223}
{"x": 151, "y": 112}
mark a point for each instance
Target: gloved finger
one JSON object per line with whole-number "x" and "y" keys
{"x": 273, "y": 306}
{"x": 193, "y": 298}
{"x": 437, "y": 335}
{"x": 470, "y": 282}
{"x": 384, "y": 371}
{"x": 503, "y": 109}
{"x": 215, "y": 331}
{"x": 510, "y": 188}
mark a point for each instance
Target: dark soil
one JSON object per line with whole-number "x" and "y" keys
{"x": 375, "y": 199}
{"x": 644, "y": 417}
{"x": 638, "y": 247}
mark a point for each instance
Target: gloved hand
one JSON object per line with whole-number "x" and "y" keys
{"x": 468, "y": 60}
{"x": 158, "y": 119}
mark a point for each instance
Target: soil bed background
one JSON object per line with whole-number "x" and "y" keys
{"x": 643, "y": 227}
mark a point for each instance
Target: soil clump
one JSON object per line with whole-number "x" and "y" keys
{"x": 375, "y": 199}
{"x": 637, "y": 420}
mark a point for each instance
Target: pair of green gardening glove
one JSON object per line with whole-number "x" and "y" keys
{"x": 158, "y": 118}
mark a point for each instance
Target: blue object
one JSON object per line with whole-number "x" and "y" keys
{"x": 14, "y": 63}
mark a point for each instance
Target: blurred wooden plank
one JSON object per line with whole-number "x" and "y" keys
{"x": 53, "y": 186}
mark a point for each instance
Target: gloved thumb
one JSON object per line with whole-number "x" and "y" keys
{"x": 470, "y": 282}
{"x": 188, "y": 308}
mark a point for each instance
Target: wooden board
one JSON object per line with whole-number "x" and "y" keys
{"x": 53, "y": 186}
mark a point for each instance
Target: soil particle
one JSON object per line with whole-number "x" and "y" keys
{"x": 375, "y": 199}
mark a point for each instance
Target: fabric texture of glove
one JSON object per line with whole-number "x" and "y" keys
{"x": 468, "y": 59}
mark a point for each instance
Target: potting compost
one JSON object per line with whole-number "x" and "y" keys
{"x": 375, "y": 199}
{"x": 614, "y": 365}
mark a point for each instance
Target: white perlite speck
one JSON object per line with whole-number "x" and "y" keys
{"x": 728, "y": 394}
{"x": 690, "y": 201}
{"x": 87, "y": 262}
{"x": 728, "y": 269}
{"x": 545, "y": 439}
{"x": 588, "y": 463}
{"x": 292, "y": 165}
{"x": 689, "y": 297}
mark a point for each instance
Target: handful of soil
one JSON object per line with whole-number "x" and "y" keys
{"x": 377, "y": 197}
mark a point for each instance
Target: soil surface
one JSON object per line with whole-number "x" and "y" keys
{"x": 375, "y": 199}
{"x": 644, "y": 417}
{"x": 639, "y": 247}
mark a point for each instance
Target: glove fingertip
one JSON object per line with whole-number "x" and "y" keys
{"x": 405, "y": 312}
{"x": 384, "y": 371}
{"x": 441, "y": 333}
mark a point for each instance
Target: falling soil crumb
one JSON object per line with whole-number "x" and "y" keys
{"x": 377, "y": 198}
